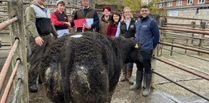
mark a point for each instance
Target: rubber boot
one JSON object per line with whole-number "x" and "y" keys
{"x": 148, "y": 83}
{"x": 123, "y": 77}
{"x": 129, "y": 73}
{"x": 33, "y": 88}
{"x": 138, "y": 83}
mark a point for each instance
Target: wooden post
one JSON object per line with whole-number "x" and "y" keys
{"x": 201, "y": 35}
{"x": 15, "y": 8}
{"x": 153, "y": 65}
{"x": 0, "y": 42}
{"x": 172, "y": 47}
{"x": 187, "y": 40}
{"x": 162, "y": 35}
{"x": 193, "y": 26}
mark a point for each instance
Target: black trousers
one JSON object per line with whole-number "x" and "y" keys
{"x": 36, "y": 53}
{"x": 147, "y": 55}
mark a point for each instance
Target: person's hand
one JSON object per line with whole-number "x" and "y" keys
{"x": 39, "y": 41}
{"x": 68, "y": 24}
{"x": 88, "y": 26}
{"x": 57, "y": 37}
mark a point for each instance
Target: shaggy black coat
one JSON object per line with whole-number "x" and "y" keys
{"x": 85, "y": 67}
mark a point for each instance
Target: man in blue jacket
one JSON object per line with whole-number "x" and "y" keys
{"x": 147, "y": 31}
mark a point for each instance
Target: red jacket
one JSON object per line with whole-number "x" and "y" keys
{"x": 56, "y": 22}
{"x": 111, "y": 30}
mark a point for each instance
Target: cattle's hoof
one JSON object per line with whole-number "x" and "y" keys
{"x": 33, "y": 88}
{"x": 122, "y": 78}
{"x": 130, "y": 81}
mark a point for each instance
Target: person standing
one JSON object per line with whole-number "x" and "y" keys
{"x": 112, "y": 27}
{"x": 147, "y": 32}
{"x": 104, "y": 20}
{"x": 74, "y": 29}
{"x": 60, "y": 19}
{"x": 127, "y": 29}
{"x": 39, "y": 26}
{"x": 86, "y": 12}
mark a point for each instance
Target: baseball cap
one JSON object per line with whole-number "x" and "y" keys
{"x": 59, "y": 1}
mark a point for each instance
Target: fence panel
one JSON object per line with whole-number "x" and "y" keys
{"x": 15, "y": 8}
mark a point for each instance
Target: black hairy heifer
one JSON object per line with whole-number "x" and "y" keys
{"x": 85, "y": 67}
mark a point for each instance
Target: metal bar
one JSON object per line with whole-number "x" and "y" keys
{"x": 7, "y": 63}
{"x": 173, "y": 17}
{"x": 185, "y": 47}
{"x": 3, "y": 10}
{"x": 181, "y": 86}
{"x": 17, "y": 90}
{"x": 185, "y": 27}
{"x": 177, "y": 35}
{"x": 185, "y": 30}
{"x": 6, "y": 23}
{"x": 4, "y": 0}
{"x": 192, "y": 46}
{"x": 182, "y": 25}
{"x": 186, "y": 55}
{"x": 9, "y": 84}
{"x": 169, "y": 63}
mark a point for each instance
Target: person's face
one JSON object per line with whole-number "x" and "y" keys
{"x": 85, "y": 3}
{"x": 127, "y": 13}
{"x": 144, "y": 12}
{"x": 40, "y": 2}
{"x": 106, "y": 12}
{"x": 116, "y": 18}
{"x": 61, "y": 7}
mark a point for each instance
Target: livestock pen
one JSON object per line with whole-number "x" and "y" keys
{"x": 122, "y": 93}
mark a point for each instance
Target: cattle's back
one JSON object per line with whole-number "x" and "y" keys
{"x": 92, "y": 61}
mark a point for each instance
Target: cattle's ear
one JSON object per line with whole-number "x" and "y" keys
{"x": 138, "y": 45}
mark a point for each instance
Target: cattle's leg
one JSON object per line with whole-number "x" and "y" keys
{"x": 123, "y": 77}
{"x": 129, "y": 69}
{"x": 66, "y": 65}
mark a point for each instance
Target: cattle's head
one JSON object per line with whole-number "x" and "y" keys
{"x": 134, "y": 53}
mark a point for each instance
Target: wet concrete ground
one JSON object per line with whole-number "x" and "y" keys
{"x": 163, "y": 92}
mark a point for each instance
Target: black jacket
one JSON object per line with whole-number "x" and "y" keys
{"x": 131, "y": 29}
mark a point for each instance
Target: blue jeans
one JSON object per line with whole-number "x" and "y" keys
{"x": 130, "y": 64}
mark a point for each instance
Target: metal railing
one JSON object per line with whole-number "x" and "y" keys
{"x": 7, "y": 23}
{"x": 181, "y": 85}
{"x": 7, "y": 63}
{"x": 9, "y": 84}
